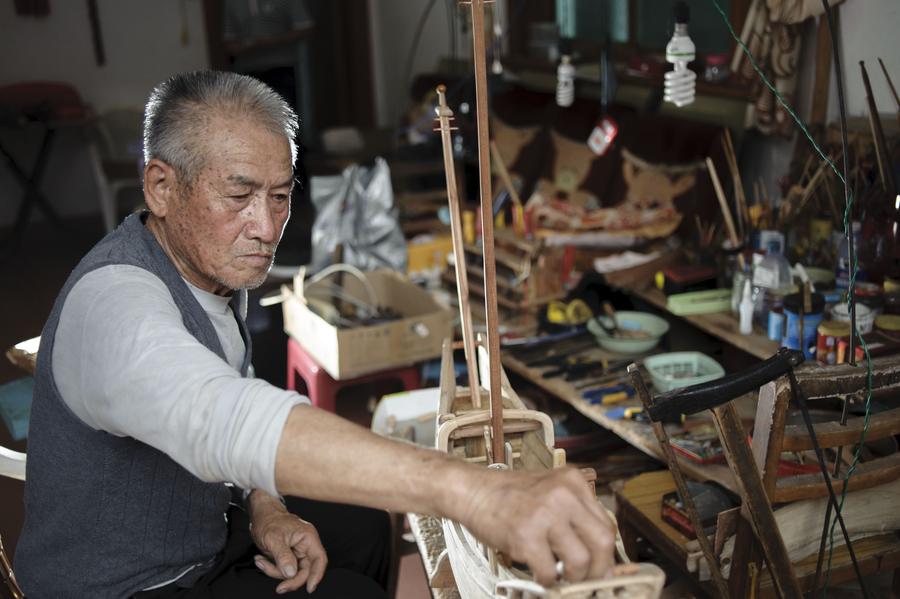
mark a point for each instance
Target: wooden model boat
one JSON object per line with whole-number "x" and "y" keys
{"x": 463, "y": 431}
{"x": 504, "y": 434}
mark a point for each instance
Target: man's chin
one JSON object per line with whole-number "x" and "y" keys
{"x": 248, "y": 281}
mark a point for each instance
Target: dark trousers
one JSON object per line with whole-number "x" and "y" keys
{"x": 356, "y": 539}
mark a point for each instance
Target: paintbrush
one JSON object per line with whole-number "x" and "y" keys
{"x": 891, "y": 85}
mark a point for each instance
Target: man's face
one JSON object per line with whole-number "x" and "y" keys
{"x": 225, "y": 227}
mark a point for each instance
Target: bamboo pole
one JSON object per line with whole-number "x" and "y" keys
{"x": 459, "y": 253}
{"x": 487, "y": 227}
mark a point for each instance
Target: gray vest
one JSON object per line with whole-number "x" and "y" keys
{"x": 107, "y": 516}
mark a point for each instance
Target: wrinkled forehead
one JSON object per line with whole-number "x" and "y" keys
{"x": 224, "y": 141}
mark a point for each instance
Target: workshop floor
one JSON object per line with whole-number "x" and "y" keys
{"x": 31, "y": 277}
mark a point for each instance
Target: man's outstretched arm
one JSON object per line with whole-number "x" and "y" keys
{"x": 534, "y": 517}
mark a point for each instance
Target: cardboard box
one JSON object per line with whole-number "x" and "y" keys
{"x": 351, "y": 352}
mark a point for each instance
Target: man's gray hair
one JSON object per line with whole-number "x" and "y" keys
{"x": 180, "y": 107}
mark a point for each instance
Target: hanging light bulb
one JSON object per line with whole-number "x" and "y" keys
{"x": 565, "y": 82}
{"x": 680, "y": 82}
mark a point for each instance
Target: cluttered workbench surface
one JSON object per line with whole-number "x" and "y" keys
{"x": 615, "y": 416}
{"x": 722, "y": 325}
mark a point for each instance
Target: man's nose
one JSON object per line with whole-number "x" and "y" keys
{"x": 261, "y": 221}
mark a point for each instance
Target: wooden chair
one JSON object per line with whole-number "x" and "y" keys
{"x": 773, "y": 436}
{"x": 757, "y": 533}
{"x": 12, "y": 465}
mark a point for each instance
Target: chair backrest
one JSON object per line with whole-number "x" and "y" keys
{"x": 12, "y": 465}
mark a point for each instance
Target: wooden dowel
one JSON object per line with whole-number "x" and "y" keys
{"x": 881, "y": 147}
{"x": 459, "y": 253}
{"x": 726, "y": 213}
{"x": 487, "y": 227}
{"x": 891, "y": 85}
{"x": 508, "y": 183}
{"x": 739, "y": 197}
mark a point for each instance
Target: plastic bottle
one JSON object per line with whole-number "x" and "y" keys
{"x": 842, "y": 272}
{"x": 565, "y": 82}
{"x": 746, "y": 310}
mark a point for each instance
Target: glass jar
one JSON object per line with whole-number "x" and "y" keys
{"x": 716, "y": 70}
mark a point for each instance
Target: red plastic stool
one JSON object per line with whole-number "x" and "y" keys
{"x": 323, "y": 390}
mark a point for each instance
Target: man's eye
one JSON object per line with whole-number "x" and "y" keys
{"x": 240, "y": 196}
{"x": 281, "y": 197}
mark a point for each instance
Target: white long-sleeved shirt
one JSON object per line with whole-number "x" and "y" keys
{"x": 125, "y": 364}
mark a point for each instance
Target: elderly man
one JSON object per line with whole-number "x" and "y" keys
{"x": 145, "y": 406}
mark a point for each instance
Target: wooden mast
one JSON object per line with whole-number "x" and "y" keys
{"x": 444, "y": 114}
{"x": 487, "y": 229}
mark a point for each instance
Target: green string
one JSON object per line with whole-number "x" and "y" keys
{"x": 850, "y": 292}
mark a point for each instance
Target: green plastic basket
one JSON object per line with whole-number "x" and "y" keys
{"x": 680, "y": 369}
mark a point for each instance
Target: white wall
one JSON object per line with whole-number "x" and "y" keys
{"x": 143, "y": 46}
{"x": 393, "y": 24}
{"x": 869, "y": 30}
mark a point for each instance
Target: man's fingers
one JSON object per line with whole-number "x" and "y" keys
{"x": 316, "y": 571}
{"x": 573, "y": 553}
{"x": 542, "y": 563}
{"x": 283, "y": 556}
{"x": 292, "y": 584}
{"x": 267, "y": 567}
{"x": 597, "y": 533}
{"x": 312, "y": 558}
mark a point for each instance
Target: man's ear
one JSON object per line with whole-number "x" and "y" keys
{"x": 160, "y": 186}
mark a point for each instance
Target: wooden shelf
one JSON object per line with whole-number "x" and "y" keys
{"x": 637, "y": 434}
{"x": 722, "y": 325}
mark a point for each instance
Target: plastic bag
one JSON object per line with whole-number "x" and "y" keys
{"x": 356, "y": 209}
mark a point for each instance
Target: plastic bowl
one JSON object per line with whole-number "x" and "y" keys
{"x": 681, "y": 369}
{"x": 653, "y": 325}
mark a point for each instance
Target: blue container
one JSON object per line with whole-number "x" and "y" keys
{"x": 792, "y": 308}
{"x": 775, "y": 326}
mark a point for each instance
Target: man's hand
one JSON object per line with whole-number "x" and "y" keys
{"x": 539, "y": 518}
{"x": 293, "y": 551}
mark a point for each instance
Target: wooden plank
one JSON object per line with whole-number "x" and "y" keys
{"x": 640, "y": 500}
{"x": 755, "y": 503}
{"x": 868, "y": 474}
{"x": 819, "y": 381}
{"x": 832, "y": 434}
